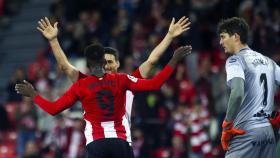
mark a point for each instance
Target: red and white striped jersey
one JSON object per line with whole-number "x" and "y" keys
{"x": 103, "y": 101}
{"x": 128, "y": 106}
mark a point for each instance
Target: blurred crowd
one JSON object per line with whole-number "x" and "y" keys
{"x": 183, "y": 119}
{"x": 8, "y": 9}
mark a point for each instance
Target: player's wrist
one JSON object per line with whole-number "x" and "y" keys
{"x": 170, "y": 34}
{"x": 34, "y": 94}
{"x": 54, "y": 39}
{"x": 227, "y": 125}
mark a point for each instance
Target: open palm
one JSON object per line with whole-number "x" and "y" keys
{"x": 45, "y": 27}
{"x": 178, "y": 28}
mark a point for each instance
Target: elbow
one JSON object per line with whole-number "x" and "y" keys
{"x": 157, "y": 87}
{"x": 152, "y": 63}
{"x": 62, "y": 68}
{"x": 240, "y": 97}
{"x": 53, "y": 113}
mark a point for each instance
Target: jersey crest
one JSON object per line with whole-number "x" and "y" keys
{"x": 133, "y": 79}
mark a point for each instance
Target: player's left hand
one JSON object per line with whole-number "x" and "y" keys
{"x": 228, "y": 133}
{"x": 175, "y": 29}
{"x": 25, "y": 89}
{"x": 275, "y": 122}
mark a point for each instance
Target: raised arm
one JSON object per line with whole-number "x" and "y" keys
{"x": 50, "y": 32}
{"x": 53, "y": 108}
{"x": 175, "y": 29}
{"x": 156, "y": 82}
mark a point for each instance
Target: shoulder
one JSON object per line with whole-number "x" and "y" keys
{"x": 235, "y": 59}
{"x": 127, "y": 77}
{"x": 82, "y": 75}
{"x": 116, "y": 76}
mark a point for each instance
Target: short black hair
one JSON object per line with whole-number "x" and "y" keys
{"x": 113, "y": 51}
{"x": 94, "y": 54}
{"x": 235, "y": 25}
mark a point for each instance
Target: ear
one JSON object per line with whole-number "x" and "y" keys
{"x": 118, "y": 64}
{"x": 236, "y": 36}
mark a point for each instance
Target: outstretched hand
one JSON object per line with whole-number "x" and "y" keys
{"x": 176, "y": 29}
{"x": 182, "y": 51}
{"x": 25, "y": 89}
{"x": 45, "y": 27}
{"x": 179, "y": 54}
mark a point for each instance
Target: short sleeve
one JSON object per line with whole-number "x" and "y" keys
{"x": 234, "y": 69}
{"x": 276, "y": 73}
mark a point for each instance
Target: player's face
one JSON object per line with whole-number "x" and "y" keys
{"x": 227, "y": 42}
{"x": 112, "y": 64}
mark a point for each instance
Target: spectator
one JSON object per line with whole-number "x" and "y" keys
{"x": 26, "y": 124}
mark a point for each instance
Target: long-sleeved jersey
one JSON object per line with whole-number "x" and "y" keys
{"x": 103, "y": 101}
{"x": 128, "y": 104}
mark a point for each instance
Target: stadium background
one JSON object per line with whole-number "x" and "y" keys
{"x": 181, "y": 120}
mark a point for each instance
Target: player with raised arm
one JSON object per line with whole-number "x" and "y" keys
{"x": 103, "y": 96}
{"x": 251, "y": 77}
{"x": 111, "y": 55}
{"x": 51, "y": 32}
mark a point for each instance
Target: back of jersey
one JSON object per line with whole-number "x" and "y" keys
{"x": 258, "y": 73}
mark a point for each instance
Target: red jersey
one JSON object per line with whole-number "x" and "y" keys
{"x": 128, "y": 104}
{"x": 103, "y": 100}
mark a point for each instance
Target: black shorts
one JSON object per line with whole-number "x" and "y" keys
{"x": 109, "y": 148}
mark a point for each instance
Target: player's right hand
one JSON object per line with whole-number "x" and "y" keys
{"x": 228, "y": 133}
{"x": 45, "y": 27}
{"x": 25, "y": 89}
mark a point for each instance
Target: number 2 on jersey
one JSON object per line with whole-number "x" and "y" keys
{"x": 105, "y": 100}
{"x": 264, "y": 79}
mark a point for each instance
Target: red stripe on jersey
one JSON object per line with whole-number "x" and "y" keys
{"x": 97, "y": 131}
{"x": 121, "y": 130}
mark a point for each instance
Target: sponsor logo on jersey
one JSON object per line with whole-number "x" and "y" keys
{"x": 232, "y": 60}
{"x": 263, "y": 142}
{"x": 133, "y": 79}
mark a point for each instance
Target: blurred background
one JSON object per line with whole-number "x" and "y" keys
{"x": 182, "y": 120}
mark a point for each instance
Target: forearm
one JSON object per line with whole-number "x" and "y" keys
{"x": 160, "y": 49}
{"x": 146, "y": 67}
{"x": 62, "y": 60}
{"x": 152, "y": 84}
{"x": 235, "y": 99}
{"x": 57, "y": 106}
{"x": 58, "y": 53}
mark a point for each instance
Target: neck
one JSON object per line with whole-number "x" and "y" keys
{"x": 239, "y": 47}
{"x": 97, "y": 71}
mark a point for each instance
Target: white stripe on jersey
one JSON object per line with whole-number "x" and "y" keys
{"x": 109, "y": 129}
{"x": 127, "y": 129}
{"x": 128, "y": 105}
{"x": 195, "y": 141}
{"x": 206, "y": 148}
{"x": 88, "y": 132}
{"x": 127, "y": 119}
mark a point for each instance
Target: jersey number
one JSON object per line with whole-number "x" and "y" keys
{"x": 263, "y": 79}
{"x": 105, "y": 100}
